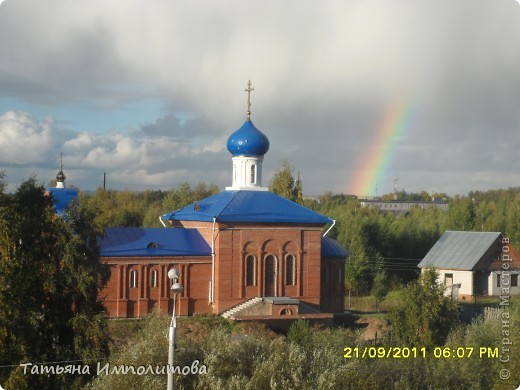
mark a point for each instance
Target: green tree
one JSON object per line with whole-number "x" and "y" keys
{"x": 461, "y": 214}
{"x": 380, "y": 286}
{"x": 300, "y": 332}
{"x": 49, "y": 279}
{"x": 115, "y": 208}
{"x": 184, "y": 195}
{"x": 357, "y": 269}
{"x": 425, "y": 315}
{"x": 284, "y": 184}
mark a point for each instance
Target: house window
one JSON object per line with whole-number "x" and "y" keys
{"x": 514, "y": 280}
{"x": 448, "y": 279}
{"x": 250, "y": 270}
{"x": 289, "y": 270}
{"x": 253, "y": 174}
{"x": 133, "y": 279}
{"x": 153, "y": 278}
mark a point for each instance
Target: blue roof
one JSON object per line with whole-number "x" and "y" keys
{"x": 62, "y": 198}
{"x": 459, "y": 250}
{"x": 247, "y": 206}
{"x": 248, "y": 141}
{"x": 153, "y": 242}
{"x": 332, "y": 248}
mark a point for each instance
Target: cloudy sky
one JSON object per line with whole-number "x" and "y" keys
{"x": 149, "y": 91}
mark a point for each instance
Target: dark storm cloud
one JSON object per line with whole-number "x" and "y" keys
{"x": 324, "y": 75}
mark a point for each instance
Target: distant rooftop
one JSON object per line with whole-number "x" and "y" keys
{"x": 403, "y": 206}
{"x": 377, "y": 200}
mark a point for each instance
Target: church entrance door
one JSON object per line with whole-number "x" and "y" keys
{"x": 270, "y": 276}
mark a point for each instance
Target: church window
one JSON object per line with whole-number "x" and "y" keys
{"x": 289, "y": 270}
{"x": 133, "y": 279}
{"x": 153, "y": 278}
{"x": 514, "y": 280}
{"x": 250, "y": 270}
{"x": 253, "y": 174}
{"x": 498, "y": 280}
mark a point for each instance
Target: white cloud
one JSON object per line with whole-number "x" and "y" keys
{"x": 24, "y": 140}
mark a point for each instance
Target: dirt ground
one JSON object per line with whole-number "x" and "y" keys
{"x": 372, "y": 328}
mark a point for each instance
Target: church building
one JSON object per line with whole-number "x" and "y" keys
{"x": 242, "y": 252}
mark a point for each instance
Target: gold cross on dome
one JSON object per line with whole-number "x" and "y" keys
{"x": 248, "y": 90}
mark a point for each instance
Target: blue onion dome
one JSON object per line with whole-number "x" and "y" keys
{"x": 248, "y": 141}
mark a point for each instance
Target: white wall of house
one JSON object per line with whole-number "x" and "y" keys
{"x": 506, "y": 281}
{"x": 493, "y": 287}
{"x": 464, "y": 279}
{"x": 463, "y": 282}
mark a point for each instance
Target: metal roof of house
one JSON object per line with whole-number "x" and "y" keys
{"x": 153, "y": 242}
{"x": 459, "y": 250}
{"x": 332, "y": 248}
{"x": 247, "y": 206}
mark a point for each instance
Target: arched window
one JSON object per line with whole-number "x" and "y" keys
{"x": 290, "y": 270}
{"x": 133, "y": 279}
{"x": 250, "y": 270}
{"x": 270, "y": 276}
{"x": 153, "y": 278}
{"x": 253, "y": 174}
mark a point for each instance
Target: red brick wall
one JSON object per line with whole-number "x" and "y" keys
{"x": 332, "y": 286}
{"x": 232, "y": 244}
{"x": 121, "y": 300}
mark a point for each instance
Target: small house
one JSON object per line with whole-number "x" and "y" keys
{"x": 475, "y": 263}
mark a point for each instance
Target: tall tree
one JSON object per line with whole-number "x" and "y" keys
{"x": 425, "y": 316}
{"x": 461, "y": 214}
{"x": 284, "y": 184}
{"x": 49, "y": 279}
{"x": 380, "y": 286}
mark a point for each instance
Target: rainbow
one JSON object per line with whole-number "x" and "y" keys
{"x": 374, "y": 165}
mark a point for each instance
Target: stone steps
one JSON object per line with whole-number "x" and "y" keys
{"x": 231, "y": 312}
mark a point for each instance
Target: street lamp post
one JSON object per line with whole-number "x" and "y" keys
{"x": 176, "y": 288}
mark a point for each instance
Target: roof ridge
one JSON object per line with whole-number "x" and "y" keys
{"x": 227, "y": 203}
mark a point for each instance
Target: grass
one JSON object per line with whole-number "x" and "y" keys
{"x": 192, "y": 329}
{"x": 122, "y": 330}
{"x": 482, "y": 301}
{"x": 367, "y": 304}
{"x": 364, "y": 314}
